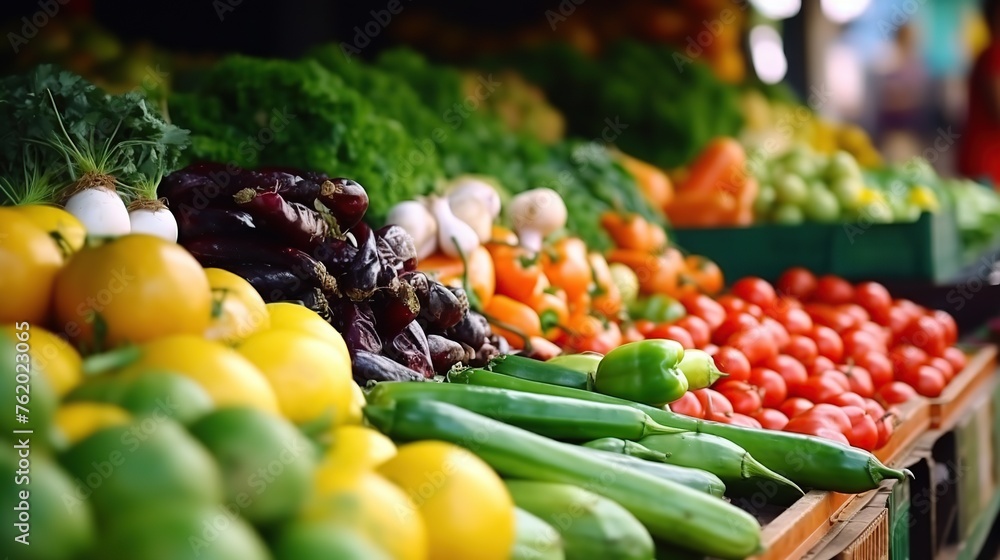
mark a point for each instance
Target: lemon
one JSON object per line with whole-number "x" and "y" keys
{"x": 65, "y": 228}
{"x": 76, "y": 421}
{"x": 58, "y": 361}
{"x": 467, "y": 509}
{"x": 239, "y": 311}
{"x": 295, "y": 317}
{"x": 357, "y": 447}
{"x": 366, "y": 502}
{"x": 311, "y": 379}
{"x": 228, "y": 377}
{"x": 355, "y": 415}
{"x": 30, "y": 261}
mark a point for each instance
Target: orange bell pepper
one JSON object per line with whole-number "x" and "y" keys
{"x": 586, "y": 333}
{"x": 565, "y": 265}
{"x": 632, "y": 231}
{"x": 513, "y": 320}
{"x": 451, "y": 271}
{"x": 657, "y": 274}
{"x": 518, "y": 271}
{"x": 706, "y": 274}
{"x": 552, "y": 309}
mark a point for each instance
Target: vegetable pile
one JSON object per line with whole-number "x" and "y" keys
{"x": 299, "y": 236}
{"x": 102, "y": 156}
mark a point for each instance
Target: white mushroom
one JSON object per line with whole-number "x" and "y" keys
{"x": 535, "y": 214}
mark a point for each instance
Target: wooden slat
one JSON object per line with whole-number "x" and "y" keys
{"x": 979, "y": 375}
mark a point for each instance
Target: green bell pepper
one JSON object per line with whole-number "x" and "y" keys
{"x": 657, "y": 308}
{"x": 644, "y": 371}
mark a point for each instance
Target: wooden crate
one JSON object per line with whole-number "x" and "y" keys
{"x": 978, "y": 378}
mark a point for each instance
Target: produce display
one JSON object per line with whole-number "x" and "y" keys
{"x": 319, "y": 312}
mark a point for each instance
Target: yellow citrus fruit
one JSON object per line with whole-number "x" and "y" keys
{"x": 467, "y": 509}
{"x": 76, "y": 421}
{"x": 30, "y": 261}
{"x": 228, "y": 377}
{"x": 137, "y": 287}
{"x": 295, "y": 317}
{"x": 65, "y": 228}
{"x": 366, "y": 502}
{"x": 238, "y": 310}
{"x": 311, "y": 379}
{"x": 55, "y": 358}
{"x": 357, "y": 447}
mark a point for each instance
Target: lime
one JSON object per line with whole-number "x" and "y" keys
{"x": 56, "y": 529}
{"x": 182, "y": 532}
{"x": 161, "y": 392}
{"x": 787, "y": 214}
{"x": 323, "y": 540}
{"x": 267, "y": 464}
{"x": 790, "y": 189}
{"x": 153, "y": 461}
{"x": 26, "y": 394}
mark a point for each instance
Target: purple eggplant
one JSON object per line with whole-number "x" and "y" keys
{"x": 396, "y": 242}
{"x": 445, "y": 353}
{"x": 356, "y": 323}
{"x": 367, "y": 367}
{"x": 216, "y": 221}
{"x": 410, "y": 349}
{"x": 223, "y": 252}
{"x": 359, "y": 281}
{"x": 346, "y": 200}
{"x": 299, "y": 225}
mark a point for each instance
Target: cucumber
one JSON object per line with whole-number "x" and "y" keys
{"x": 592, "y": 527}
{"x": 535, "y": 539}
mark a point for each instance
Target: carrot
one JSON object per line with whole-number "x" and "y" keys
{"x": 720, "y": 164}
{"x": 653, "y": 182}
{"x": 513, "y": 320}
{"x": 702, "y": 209}
{"x": 451, "y": 271}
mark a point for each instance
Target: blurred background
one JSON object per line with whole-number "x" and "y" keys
{"x": 897, "y": 68}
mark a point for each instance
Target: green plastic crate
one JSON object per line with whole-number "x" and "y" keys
{"x": 899, "y": 520}
{"x": 928, "y": 249}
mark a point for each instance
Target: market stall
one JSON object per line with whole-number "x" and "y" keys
{"x": 474, "y": 297}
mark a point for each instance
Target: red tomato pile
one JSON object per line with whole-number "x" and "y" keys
{"x": 817, "y": 356}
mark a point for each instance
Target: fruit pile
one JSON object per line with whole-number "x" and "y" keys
{"x": 817, "y": 356}
{"x": 299, "y": 236}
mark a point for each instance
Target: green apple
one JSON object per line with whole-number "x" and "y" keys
{"x": 765, "y": 199}
{"x": 787, "y": 214}
{"x": 791, "y": 189}
{"x": 822, "y": 206}
{"x": 848, "y": 191}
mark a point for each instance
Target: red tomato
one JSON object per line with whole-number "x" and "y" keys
{"x": 802, "y": 348}
{"x": 771, "y": 419}
{"x": 885, "y": 426}
{"x": 878, "y": 365}
{"x": 733, "y": 362}
{"x": 881, "y": 334}
{"x": 705, "y": 307}
{"x": 794, "y": 406}
{"x": 737, "y": 419}
{"x": 876, "y": 300}
{"x": 828, "y": 343}
{"x": 828, "y": 316}
{"x": 863, "y": 432}
{"x": 856, "y": 312}
{"x": 756, "y": 343}
{"x": 947, "y": 322}
{"x": 834, "y": 290}
{"x": 820, "y": 365}
{"x": 906, "y": 358}
{"x": 673, "y": 332}
{"x": 710, "y": 349}
{"x": 744, "y": 398}
{"x": 817, "y": 426}
{"x": 777, "y": 330}
{"x": 631, "y": 334}
{"x": 848, "y": 399}
{"x": 944, "y": 366}
{"x": 698, "y": 328}
{"x": 859, "y": 378}
{"x": 858, "y": 342}
{"x": 928, "y": 381}
{"x": 818, "y": 389}
{"x": 838, "y": 377}
{"x": 733, "y": 304}
{"x": 732, "y": 325}
{"x": 771, "y": 386}
{"x": 927, "y": 334}
{"x": 837, "y": 417}
{"x": 688, "y": 405}
{"x": 797, "y": 282}
{"x": 896, "y": 392}
{"x": 874, "y": 409}
{"x": 790, "y": 369}
{"x": 644, "y": 326}
{"x": 756, "y": 291}
{"x": 899, "y": 318}
{"x": 713, "y": 402}
{"x": 913, "y": 309}
{"x": 795, "y": 320}
{"x": 956, "y": 358}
